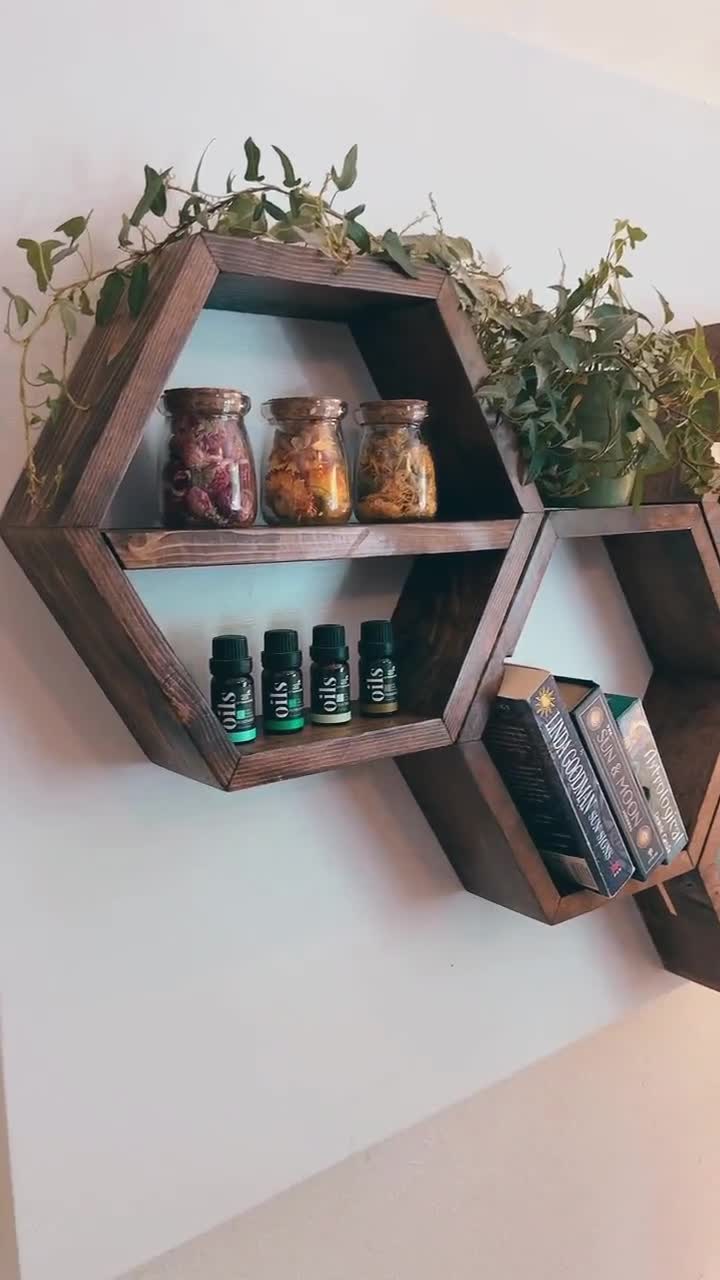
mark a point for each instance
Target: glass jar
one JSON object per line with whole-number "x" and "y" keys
{"x": 306, "y": 475}
{"x": 208, "y": 480}
{"x": 395, "y": 473}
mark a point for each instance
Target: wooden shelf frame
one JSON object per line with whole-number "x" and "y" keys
{"x": 475, "y": 573}
{"x": 415, "y": 341}
{"x": 459, "y": 789}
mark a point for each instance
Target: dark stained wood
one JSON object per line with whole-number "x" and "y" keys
{"x": 593, "y": 522}
{"x": 688, "y": 937}
{"x": 573, "y": 905}
{"x": 465, "y": 802}
{"x": 672, "y": 585}
{"x": 509, "y": 635}
{"x": 103, "y": 617}
{"x": 294, "y": 280}
{"x": 120, "y": 374}
{"x": 422, "y": 352}
{"x": 684, "y": 714}
{"x": 182, "y": 549}
{"x": 447, "y": 619}
{"x": 317, "y": 748}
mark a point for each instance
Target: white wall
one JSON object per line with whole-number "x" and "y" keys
{"x": 597, "y": 1162}
{"x": 207, "y": 998}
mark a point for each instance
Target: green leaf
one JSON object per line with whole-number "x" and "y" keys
{"x": 345, "y": 179}
{"x": 124, "y": 233}
{"x": 395, "y": 250}
{"x": 138, "y": 287}
{"x": 85, "y": 304}
{"x": 39, "y": 256}
{"x": 700, "y": 350}
{"x": 196, "y": 180}
{"x": 352, "y": 214}
{"x": 153, "y": 198}
{"x": 252, "y": 156}
{"x": 73, "y": 228}
{"x": 275, "y": 211}
{"x": 359, "y": 235}
{"x": 47, "y": 377}
{"x": 567, "y": 349}
{"x": 668, "y": 313}
{"x": 651, "y": 429}
{"x": 620, "y": 270}
{"x": 229, "y": 182}
{"x": 289, "y": 179}
{"x": 22, "y": 307}
{"x": 635, "y": 234}
{"x": 110, "y": 295}
{"x": 68, "y": 317}
{"x": 67, "y": 252}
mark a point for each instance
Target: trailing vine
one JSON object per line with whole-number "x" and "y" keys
{"x": 287, "y": 211}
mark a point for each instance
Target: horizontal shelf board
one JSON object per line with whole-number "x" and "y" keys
{"x": 593, "y": 522}
{"x": 268, "y": 279}
{"x": 578, "y": 904}
{"x": 260, "y": 544}
{"x": 274, "y": 757}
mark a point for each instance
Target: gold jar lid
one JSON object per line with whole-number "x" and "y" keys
{"x": 291, "y": 407}
{"x": 393, "y": 412}
{"x": 210, "y": 401}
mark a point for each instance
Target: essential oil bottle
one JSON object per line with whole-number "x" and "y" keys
{"x": 282, "y": 683}
{"x": 232, "y": 690}
{"x": 378, "y": 677}
{"x": 329, "y": 675}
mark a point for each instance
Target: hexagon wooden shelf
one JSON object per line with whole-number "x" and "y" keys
{"x": 460, "y": 613}
{"x": 416, "y": 341}
{"x": 668, "y": 568}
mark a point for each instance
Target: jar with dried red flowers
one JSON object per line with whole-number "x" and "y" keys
{"x": 306, "y": 474}
{"x": 208, "y": 480}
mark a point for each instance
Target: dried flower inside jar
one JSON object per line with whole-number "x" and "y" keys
{"x": 306, "y": 475}
{"x": 395, "y": 474}
{"x": 208, "y": 480}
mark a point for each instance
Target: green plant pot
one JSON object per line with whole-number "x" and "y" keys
{"x": 606, "y": 491}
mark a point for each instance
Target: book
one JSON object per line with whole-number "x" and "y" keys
{"x": 602, "y": 738}
{"x": 537, "y": 751}
{"x": 650, "y": 772}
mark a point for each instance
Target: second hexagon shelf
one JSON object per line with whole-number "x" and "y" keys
{"x": 669, "y": 571}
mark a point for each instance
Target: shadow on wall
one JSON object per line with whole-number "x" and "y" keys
{"x": 9, "y": 1257}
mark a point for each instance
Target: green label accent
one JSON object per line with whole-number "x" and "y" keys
{"x": 243, "y": 735}
{"x": 285, "y": 726}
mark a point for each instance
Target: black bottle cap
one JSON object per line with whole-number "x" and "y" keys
{"x": 376, "y": 639}
{"x": 230, "y": 656}
{"x": 328, "y": 643}
{"x": 281, "y": 649}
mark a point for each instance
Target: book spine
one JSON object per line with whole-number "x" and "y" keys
{"x": 617, "y": 777}
{"x": 563, "y": 816}
{"x": 601, "y": 839}
{"x": 650, "y": 772}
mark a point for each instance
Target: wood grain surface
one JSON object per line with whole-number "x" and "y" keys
{"x": 183, "y": 549}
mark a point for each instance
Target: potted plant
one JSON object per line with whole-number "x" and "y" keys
{"x": 600, "y": 398}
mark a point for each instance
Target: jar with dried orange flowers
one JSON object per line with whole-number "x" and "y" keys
{"x": 306, "y": 475}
